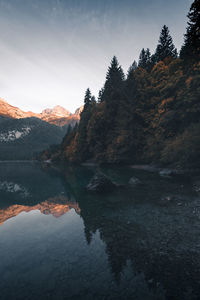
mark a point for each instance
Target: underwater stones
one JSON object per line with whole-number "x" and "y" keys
{"x": 196, "y": 186}
{"x": 134, "y": 181}
{"x": 179, "y": 175}
{"x": 176, "y": 199}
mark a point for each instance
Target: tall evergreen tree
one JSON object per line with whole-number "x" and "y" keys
{"x": 104, "y": 130}
{"x": 100, "y": 95}
{"x": 145, "y": 61}
{"x": 115, "y": 72}
{"x": 131, "y": 69}
{"x": 191, "y": 47}
{"x": 87, "y": 99}
{"x": 82, "y": 145}
{"x": 165, "y": 46}
{"x": 142, "y": 59}
{"x": 114, "y": 79}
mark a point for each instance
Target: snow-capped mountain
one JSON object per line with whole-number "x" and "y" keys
{"x": 57, "y": 111}
{"x": 23, "y": 134}
{"x": 58, "y": 115}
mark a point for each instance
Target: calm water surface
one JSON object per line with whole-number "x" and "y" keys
{"x": 59, "y": 242}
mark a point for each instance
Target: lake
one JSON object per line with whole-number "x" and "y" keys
{"x": 57, "y": 241}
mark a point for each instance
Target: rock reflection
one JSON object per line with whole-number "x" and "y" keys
{"x": 150, "y": 233}
{"x": 159, "y": 241}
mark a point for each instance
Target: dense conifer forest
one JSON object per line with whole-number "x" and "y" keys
{"x": 150, "y": 115}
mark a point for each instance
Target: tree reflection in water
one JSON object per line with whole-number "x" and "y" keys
{"x": 150, "y": 231}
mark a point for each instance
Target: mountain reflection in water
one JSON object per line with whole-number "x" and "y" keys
{"x": 53, "y": 206}
{"x": 135, "y": 243}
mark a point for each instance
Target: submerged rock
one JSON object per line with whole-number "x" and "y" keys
{"x": 177, "y": 174}
{"x": 166, "y": 173}
{"x": 100, "y": 184}
{"x": 176, "y": 199}
{"x": 196, "y": 186}
{"x": 134, "y": 181}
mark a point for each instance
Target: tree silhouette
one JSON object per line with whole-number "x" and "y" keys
{"x": 165, "y": 47}
{"x": 82, "y": 145}
{"x": 191, "y": 47}
{"x": 131, "y": 69}
{"x": 145, "y": 61}
{"x": 114, "y": 79}
{"x": 87, "y": 99}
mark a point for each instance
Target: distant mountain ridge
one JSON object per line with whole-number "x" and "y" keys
{"x": 23, "y": 134}
{"x": 58, "y": 115}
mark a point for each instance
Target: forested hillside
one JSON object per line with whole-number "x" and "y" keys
{"x": 21, "y": 139}
{"x": 150, "y": 115}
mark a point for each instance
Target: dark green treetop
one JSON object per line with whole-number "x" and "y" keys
{"x": 114, "y": 79}
{"x": 131, "y": 69}
{"x": 191, "y": 47}
{"x": 165, "y": 47}
{"x": 88, "y": 97}
{"x": 145, "y": 61}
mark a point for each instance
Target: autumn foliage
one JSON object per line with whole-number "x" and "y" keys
{"x": 150, "y": 115}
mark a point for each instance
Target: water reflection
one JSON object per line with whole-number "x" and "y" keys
{"x": 56, "y": 206}
{"x": 136, "y": 243}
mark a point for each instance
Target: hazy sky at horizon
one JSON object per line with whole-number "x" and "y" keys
{"x": 52, "y": 50}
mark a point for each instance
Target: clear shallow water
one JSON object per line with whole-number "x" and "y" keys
{"x": 59, "y": 242}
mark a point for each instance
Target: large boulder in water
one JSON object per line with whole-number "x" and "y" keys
{"x": 168, "y": 172}
{"x": 100, "y": 184}
{"x": 175, "y": 174}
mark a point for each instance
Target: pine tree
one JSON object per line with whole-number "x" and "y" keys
{"x": 114, "y": 79}
{"x": 142, "y": 59}
{"x": 100, "y": 95}
{"x": 165, "y": 46}
{"x": 115, "y": 72}
{"x": 82, "y": 145}
{"x": 93, "y": 100}
{"x": 191, "y": 47}
{"x": 87, "y": 99}
{"x": 131, "y": 69}
{"x": 145, "y": 61}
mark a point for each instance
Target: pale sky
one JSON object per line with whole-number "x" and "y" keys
{"x": 51, "y": 51}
